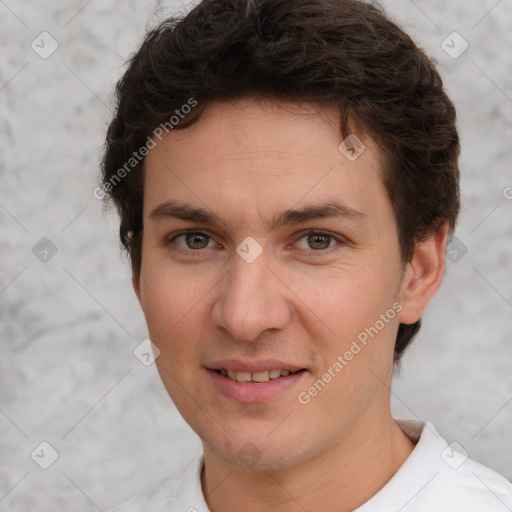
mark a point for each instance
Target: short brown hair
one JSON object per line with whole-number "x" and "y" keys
{"x": 343, "y": 53}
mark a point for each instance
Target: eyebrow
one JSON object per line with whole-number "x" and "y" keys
{"x": 187, "y": 212}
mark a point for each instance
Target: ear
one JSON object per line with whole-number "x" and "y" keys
{"x": 423, "y": 275}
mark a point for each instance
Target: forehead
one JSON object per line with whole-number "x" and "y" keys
{"x": 255, "y": 156}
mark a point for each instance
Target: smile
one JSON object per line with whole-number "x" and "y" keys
{"x": 257, "y": 386}
{"x": 262, "y": 376}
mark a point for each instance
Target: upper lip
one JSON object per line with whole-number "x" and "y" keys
{"x": 239, "y": 365}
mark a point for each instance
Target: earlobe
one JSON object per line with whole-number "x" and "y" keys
{"x": 423, "y": 275}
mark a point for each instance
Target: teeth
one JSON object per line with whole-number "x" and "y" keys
{"x": 263, "y": 376}
{"x": 243, "y": 376}
{"x": 260, "y": 376}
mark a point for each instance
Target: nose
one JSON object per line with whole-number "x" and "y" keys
{"x": 252, "y": 299}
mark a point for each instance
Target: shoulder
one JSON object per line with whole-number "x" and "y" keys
{"x": 440, "y": 476}
{"x": 179, "y": 492}
{"x": 453, "y": 481}
{"x": 473, "y": 486}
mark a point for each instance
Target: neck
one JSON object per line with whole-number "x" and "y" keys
{"x": 341, "y": 478}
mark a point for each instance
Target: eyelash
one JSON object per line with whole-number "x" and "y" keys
{"x": 196, "y": 252}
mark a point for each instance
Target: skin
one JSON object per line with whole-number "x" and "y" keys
{"x": 301, "y": 302}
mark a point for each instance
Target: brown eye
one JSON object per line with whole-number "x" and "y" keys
{"x": 317, "y": 241}
{"x": 194, "y": 240}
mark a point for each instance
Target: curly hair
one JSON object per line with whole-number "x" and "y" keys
{"x": 346, "y": 54}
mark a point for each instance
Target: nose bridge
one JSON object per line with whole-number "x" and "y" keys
{"x": 250, "y": 302}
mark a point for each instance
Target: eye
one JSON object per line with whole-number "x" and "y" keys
{"x": 318, "y": 241}
{"x": 315, "y": 241}
{"x": 194, "y": 240}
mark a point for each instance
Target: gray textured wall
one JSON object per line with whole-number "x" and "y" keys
{"x": 69, "y": 325}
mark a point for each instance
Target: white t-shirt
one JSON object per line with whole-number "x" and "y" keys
{"x": 435, "y": 477}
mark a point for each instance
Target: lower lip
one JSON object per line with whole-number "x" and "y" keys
{"x": 254, "y": 392}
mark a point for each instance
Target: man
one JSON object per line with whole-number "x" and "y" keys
{"x": 286, "y": 177}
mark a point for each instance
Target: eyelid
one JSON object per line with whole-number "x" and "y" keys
{"x": 338, "y": 238}
{"x": 169, "y": 239}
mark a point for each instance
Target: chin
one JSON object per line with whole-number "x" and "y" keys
{"x": 260, "y": 455}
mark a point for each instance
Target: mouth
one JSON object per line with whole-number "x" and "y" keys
{"x": 255, "y": 383}
{"x": 256, "y": 377}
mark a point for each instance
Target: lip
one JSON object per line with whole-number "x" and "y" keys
{"x": 254, "y": 392}
{"x": 238, "y": 365}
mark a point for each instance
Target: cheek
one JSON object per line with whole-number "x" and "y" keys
{"x": 345, "y": 300}
{"x": 171, "y": 301}
{"x": 342, "y": 312}
{"x": 356, "y": 346}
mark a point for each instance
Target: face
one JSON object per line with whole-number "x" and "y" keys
{"x": 248, "y": 275}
